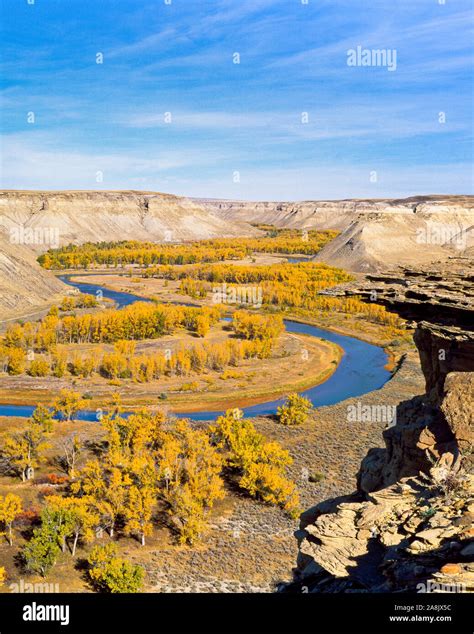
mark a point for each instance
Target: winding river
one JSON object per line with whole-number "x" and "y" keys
{"x": 361, "y": 370}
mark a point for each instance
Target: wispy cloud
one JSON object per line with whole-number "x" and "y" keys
{"x": 245, "y": 117}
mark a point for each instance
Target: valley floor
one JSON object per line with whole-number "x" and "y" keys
{"x": 249, "y": 547}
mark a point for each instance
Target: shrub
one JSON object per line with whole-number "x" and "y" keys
{"x": 230, "y": 374}
{"x": 55, "y": 479}
{"x": 190, "y": 387}
{"x": 295, "y": 411}
{"x": 29, "y": 516}
{"x": 39, "y": 367}
{"x": 110, "y": 573}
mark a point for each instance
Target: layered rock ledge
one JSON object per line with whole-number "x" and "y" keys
{"x": 410, "y": 524}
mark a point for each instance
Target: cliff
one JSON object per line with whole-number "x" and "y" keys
{"x": 24, "y": 285}
{"x": 374, "y": 233}
{"x": 82, "y": 216}
{"x": 409, "y": 526}
{"x": 31, "y": 222}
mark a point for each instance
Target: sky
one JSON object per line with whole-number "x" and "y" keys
{"x": 238, "y": 99}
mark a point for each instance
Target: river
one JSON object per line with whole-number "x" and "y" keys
{"x": 361, "y": 369}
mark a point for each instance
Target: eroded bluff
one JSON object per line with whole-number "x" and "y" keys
{"x": 409, "y": 526}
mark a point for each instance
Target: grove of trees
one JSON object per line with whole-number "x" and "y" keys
{"x": 113, "y": 254}
{"x": 145, "y": 467}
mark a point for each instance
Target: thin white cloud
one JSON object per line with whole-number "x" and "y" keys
{"x": 38, "y": 162}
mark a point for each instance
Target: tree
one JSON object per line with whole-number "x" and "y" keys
{"x": 59, "y": 364}
{"x": 106, "y": 486}
{"x": 68, "y": 404}
{"x": 43, "y": 417}
{"x": 39, "y": 368}
{"x": 266, "y": 482}
{"x": 190, "y": 470}
{"x": 67, "y": 304}
{"x": 83, "y": 521}
{"x": 260, "y": 465}
{"x": 255, "y": 326}
{"x": 132, "y": 436}
{"x": 71, "y": 518}
{"x": 41, "y": 552}
{"x": 110, "y": 573}
{"x": 10, "y": 508}
{"x": 202, "y": 325}
{"x": 72, "y": 448}
{"x": 16, "y": 361}
{"x": 24, "y": 450}
{"x": 139, "y": 510}
{"x": 111, "y": 505}
{"x": 295, "y": 411}
{"x": 3, "y": 575}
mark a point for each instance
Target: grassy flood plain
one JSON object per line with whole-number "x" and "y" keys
{"x": 129, "y": 281}
{"x": 251, "y": 382}
{"x": 241, "y": 531}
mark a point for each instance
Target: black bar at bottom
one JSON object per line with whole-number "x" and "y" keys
{"x": 239, "y": 614}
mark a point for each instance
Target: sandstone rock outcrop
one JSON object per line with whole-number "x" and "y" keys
{"x": 410, "y": 525}
{"x": 416, "y": 533}
{"x": 24, "y": 285}
{"x": 95, "y": 216}
{"x": 32, "y": 222}
{"x": 375, "y": 234}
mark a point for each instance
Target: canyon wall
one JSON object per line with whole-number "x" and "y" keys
{"x": 31, "y": 222}
{"x": 374, "y": 233}
{"x": 24, "y": 285}
{"x": 95, "y": 216}
{"x": 410, "y": 524}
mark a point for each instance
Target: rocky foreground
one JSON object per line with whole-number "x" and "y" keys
{"x": 410, "y": 525}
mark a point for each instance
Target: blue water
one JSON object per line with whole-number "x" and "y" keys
{"x": 121, "y": 299}
{"x": 297, "y": 259}
{"x": 361, "y": 369}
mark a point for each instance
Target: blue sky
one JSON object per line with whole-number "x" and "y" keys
{"x": 237, "y": 130}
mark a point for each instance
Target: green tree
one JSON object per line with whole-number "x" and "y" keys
{"x": 110, "y": 573}
{"x": 41, "y": 552}
{"x": 72, "y": 518}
